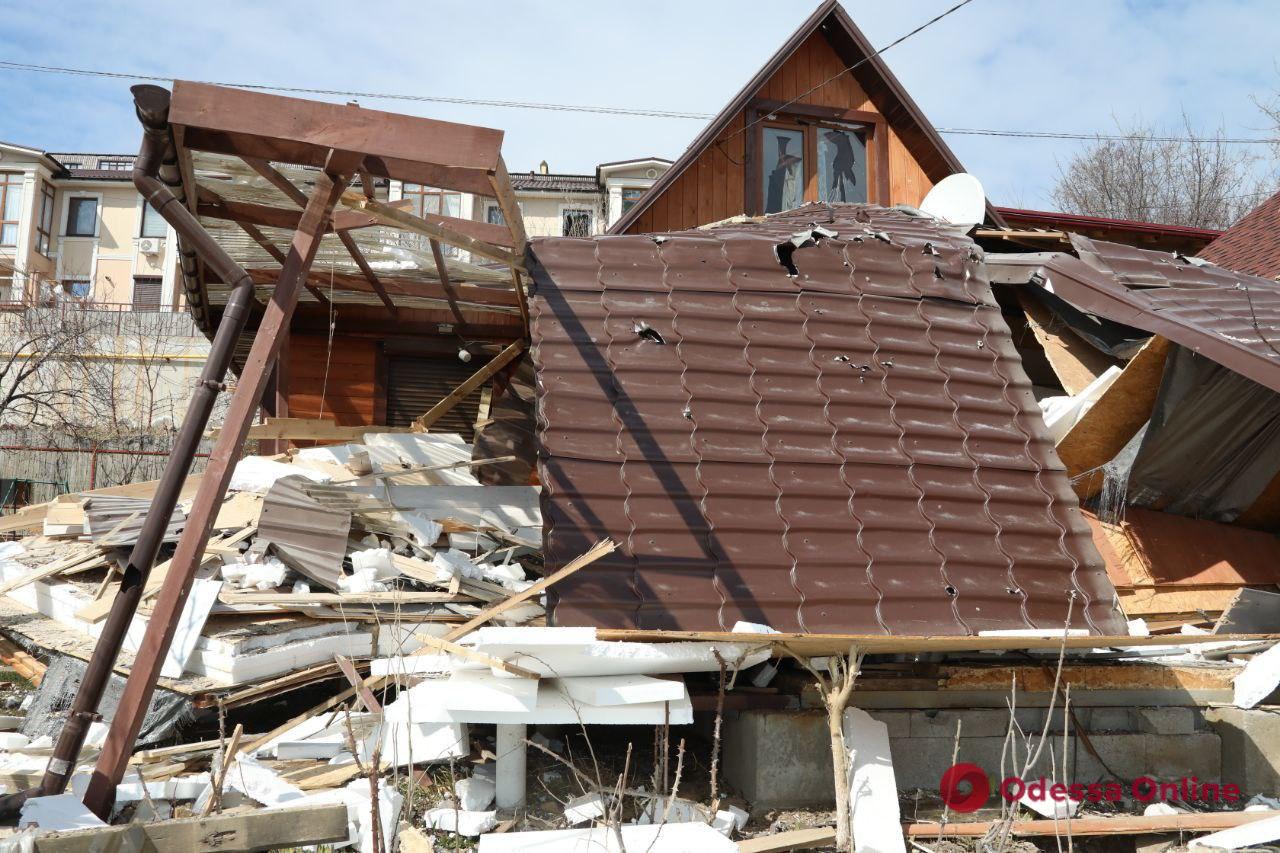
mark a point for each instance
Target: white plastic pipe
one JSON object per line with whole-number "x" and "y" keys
{"x": 510, "y": 771}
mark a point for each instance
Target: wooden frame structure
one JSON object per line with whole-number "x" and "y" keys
{"x": 332, "y": 146}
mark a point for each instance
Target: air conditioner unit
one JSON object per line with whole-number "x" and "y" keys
{"x": 151, "y": 245}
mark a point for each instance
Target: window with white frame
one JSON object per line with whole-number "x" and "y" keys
{"x": 575, "y": 222}
{"x": 115, "y": 165}
{"x": 82, "y": 216}
{"x": 10, "y": 207}
{"x": 153, "y": 224}
{"x": 493, "y": 214}
{"x": 7, "y": 293}
{"x": 631, "y": 195}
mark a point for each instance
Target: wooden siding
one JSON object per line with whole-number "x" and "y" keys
{"x": 713, "y": 187}
{"x": 351, "y": 395}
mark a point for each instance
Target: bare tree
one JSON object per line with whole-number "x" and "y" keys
{"x": 1173, "y": 176}
{"x": 46, "y": 366}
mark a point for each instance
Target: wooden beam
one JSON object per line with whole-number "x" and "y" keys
{"x": 339, "y": 598}
{"x": 366, "y": 695}
{"x": 214, "y": 206}
{"x": 510, "y": 208}
{"x": 447, "y": 228}
{"x": 293, "y": 130}
{"x": 1119, "y": 825}
{"x": 161, "y": 627}
{"x": 474, "y": 656}
{"x": 443, "y": 271}
{"x": 796, "y": 839}
{"x": 353, "y": 250}
{"x": 277, "y": 180}
{"x": 241, "y": 832}
{"x": 460, "y": 393}
{"x": 815, "y": 645}
{"x": 597, "y": 551}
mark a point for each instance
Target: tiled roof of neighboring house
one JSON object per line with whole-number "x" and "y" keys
{"x": 538, "y": 182}
{"x": 1252, "y": 245}
{"x": 832, "y": 438}
{"x": 90, "y": 167}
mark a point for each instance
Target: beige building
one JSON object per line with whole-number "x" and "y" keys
{"x": 74, "y": 226}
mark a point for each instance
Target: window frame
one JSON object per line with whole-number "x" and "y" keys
{"x": 68, "y": 283}
{"x": 142, "y": 223}
{"x": 566, "y": 209}
{"x": 44, "y": 224}
{"x": 11, "y": 182}
{"x": 622, "y": 197}
{"x": 158, "y": 282}
{"x": 810, "y": 118}
{"x": 97, "y": 215}
{"x": 422, "y": 192}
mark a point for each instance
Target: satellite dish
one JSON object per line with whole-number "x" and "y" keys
{"x": 957, "y": 199}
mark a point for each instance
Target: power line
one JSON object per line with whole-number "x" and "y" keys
{"x": 620, "y": 111}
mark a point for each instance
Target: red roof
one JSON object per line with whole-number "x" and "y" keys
{"x": 1069, "y": 220}
{"x": 1252, "y": 245}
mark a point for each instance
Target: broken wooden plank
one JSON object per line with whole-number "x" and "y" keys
{"x": 796, "y": 839}
{"x": 457, "y": 395}
{"x": 1114, "y": 419}
{"x": 295, "y": 599}
{"x": 1074, "y": 361}
{"x": 262, "y": 829}
{"x": 472, "y": 655}
{"x": 1120, "y": 825}
{"x": 600, "y": 549}
{"x": 366, "y": 695}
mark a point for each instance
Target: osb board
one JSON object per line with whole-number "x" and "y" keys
{"x": 1151, "y": 601}
{"x": 1195, "y": 552}
{"x": 1074, "y": 361}
{"x": 1125, "y": 566}
{"x": 1115, "y": 418}
{"x": 1087, "y": 677}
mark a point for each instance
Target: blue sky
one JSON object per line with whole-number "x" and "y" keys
{"x": 1075, "y": 66}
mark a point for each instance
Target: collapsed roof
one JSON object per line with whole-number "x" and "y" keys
{"x": 815, "y": 420}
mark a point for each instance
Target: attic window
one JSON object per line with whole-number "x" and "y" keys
{"x": 806, "y": 153}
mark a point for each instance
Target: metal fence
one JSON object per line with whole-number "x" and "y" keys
{"x": 38, "y": 466}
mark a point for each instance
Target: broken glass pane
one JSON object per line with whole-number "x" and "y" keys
{"x": 842, "y": 165}
{"x": 783, "y": 169}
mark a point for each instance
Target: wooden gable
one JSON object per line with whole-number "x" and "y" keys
{"x": 718, "y": 177}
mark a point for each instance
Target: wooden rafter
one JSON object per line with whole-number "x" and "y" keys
{"x": 277, "y": 180}
{"x": 460, "y": 393}
{"x": 214, "y": 206}
{"x": 441, "y": 227}
{"x": 298, "y": 197}
{"x": 349, "y": 243}
{"x": 510, "y": 208}
{"x": 445, "y": 282}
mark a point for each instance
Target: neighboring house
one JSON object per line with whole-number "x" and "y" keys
{"x": 574, "y": 205}
{"x": 1252, "y": 245}
{"x": 73, "y": 223}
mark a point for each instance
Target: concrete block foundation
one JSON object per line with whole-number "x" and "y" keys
{"x": 782, "y": 758}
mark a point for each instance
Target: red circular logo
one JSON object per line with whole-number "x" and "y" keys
{"x": 965, "y": 787}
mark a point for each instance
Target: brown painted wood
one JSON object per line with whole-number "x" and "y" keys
{"x": 291, "y": 130}
{"x": 725, "y": 180}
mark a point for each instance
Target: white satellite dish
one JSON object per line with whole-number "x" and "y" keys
{"x": 957, "y": 199}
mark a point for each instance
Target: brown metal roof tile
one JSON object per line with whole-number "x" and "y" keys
{"x": 852, "y": 448}
{"x": 1229, "y": 317}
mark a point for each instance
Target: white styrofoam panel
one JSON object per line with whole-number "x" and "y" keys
{"x": 623, "y": 689}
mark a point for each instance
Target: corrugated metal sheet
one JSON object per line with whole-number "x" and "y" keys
{"x": 307, "y": 536}
{"x": 1229, "y": 317}
{"x": 854, "y": 448}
